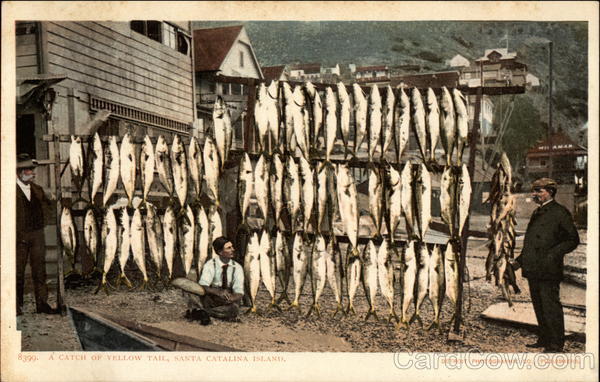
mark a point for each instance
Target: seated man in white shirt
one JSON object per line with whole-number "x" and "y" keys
{"x": 223, "y": 281}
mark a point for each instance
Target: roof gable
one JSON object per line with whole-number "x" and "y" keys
{"x": 211, "y": 46}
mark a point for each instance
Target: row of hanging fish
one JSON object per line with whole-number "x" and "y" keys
{"x": 184, "y": 172}
{"x": 501, "y": 230}
{"x": 145, "y": 235}
{"x": 289, "y": 120}
{"x": 424, "y": 273}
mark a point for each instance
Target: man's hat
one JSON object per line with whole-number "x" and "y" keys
{"x": 544, "y": 183}
{"x": 25, "y": 161}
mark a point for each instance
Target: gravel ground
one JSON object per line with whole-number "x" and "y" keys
{"x": 290, "y": 331}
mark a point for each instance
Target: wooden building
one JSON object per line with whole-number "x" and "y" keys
{"x": 378, "y": 74}
{"x": 139, "y": 73}
{"x": 500, "y": 68}
{"x": 276, "y": 73}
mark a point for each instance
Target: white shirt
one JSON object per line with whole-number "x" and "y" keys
{"x": 26, "y": 188}
{"x": 546, "y": 202}
{"x": 212, "y": 270}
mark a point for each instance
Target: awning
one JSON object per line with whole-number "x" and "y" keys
{"x": 31, "y": 88}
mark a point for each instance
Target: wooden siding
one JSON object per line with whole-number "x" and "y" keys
{"x": 101, "y": 59}
{"x": 26, "y": 55}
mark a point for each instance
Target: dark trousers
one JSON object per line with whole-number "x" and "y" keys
{"x": 31, "y": 246}
{"x": 545, "y": 296}
{"x": 215, "y": 306}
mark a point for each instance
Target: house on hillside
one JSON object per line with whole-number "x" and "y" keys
{"x": 458, "y": 61}
{"x": 276, "y": 73}
{"x": 434, "y": 80}
{"x": 224, "y": 64}
{"x": 378, "y": 74}
{"x": 557, "y": 157}
{"x": 134, "y": 77}
{"x": 532, "y": 81}
{"x": 305, "y": 72}
{"x": 500, "y": 68}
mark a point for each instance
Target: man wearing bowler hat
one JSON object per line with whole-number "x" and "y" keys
{"x": 31, "y": 245}
{"x": 550, "y": 235}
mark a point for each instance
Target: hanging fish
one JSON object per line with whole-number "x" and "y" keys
{"x": 68, "y": 235}
{"x": 125, "y": 247}
{"x": 422, "y": 281}
{"x": 375, "y": 121}
{"x": 387, "y": 129}
{"x": 369, "y": 278}
{"x": 299, "y": 268}
{"x": 316, "y": 110}
{"x": 318, "y": 273}
{"x": 462, "y": 123}
{"x": 90, "y": 235}
{"x": 211, "y": 170}
{"x": 448, "y": 199}
{"x": 464, "y": 197}
{"x": 203, "y": 249}
{"x": 436, "y": 288}
{"x": 261, "y": 186}
{"x": 216, "y": 226}
{"x": 447, "y": 124}
{"x": 154, "y": 234}
{"x": 308, "y": 191}
{"x": 163, "y": 164}
{"x": 272, "y": 107}
{"x": 195, "y": 166}
{"x": 422, "y": 196}
{"x": 127, "y": 159}
{"x": 252, "y": 269}
{"x": 147, "y": 161}
{"x": 451, "y": 270}
{"x": 322, "y": 195}
{"x": 406, "y": 179}
{"x": 300, "y": 120}
{"x": 261, "y": 118}
{"x": 113, "y": 169}
{"x": 330, "y": 122}
{"x": 276, "y": 178}
{"x": 245, "y": 185}
{"x": 138, "y": 244}
{"x": 334, "y": 272}
{"x": 348, "y": 203}
{"x": 110, "y": 240}
{"x": 290, "y": 106}
{"x": 354, "y": 276}
{"x": 222, "y": 129}
{"x": 283, "y": 265}
{"x": 292, "y": 191}
{"x": 170, "y": 238}
{"x": 76, "y": 161}
{"x": 385, "y": 276}
{"x": 375, "y": 198}
{"x": 267, "y": 266}
{"x": 418, "y": 121}
{"x": 395, "y": 202}
{"x": 360, "y": 116}
{"x": 402, "y": 123}
{"x": 433, "y": 123}
{"x": 345, "y": 114}
{"x": 409, "y": 278}
{"x": 180, "y": 173}
{"x": 97, "y": 165}
{"x": 187, "y": 235}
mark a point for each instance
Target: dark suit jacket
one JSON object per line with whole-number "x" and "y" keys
{"x": 24, "y": 222}
{"x": 550, "y": 235}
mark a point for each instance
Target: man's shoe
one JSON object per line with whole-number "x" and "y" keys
{"x": 45, "y": 308}
{"x": 553, "y": 349}
{"x": 537, "y": 344}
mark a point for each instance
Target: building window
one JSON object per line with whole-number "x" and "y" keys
{"x": 236, "y": 89}
{"x": 164, "y": 33}
{"x": 150, "y": 29}
{"x": 542, "y": 162}
{"x": 241, "y": 59}
{"x": 169, "y": 36}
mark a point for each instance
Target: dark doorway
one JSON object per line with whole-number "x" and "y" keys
{"x": 26, "y": 134}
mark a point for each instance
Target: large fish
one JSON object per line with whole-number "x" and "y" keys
{"x": 187, "y": 234}
{"x": 506, "y": 167}
{"x": 276, "y": 183}
{"x": 180, "y": 173}
{"x": 433, "y": 122}
{"x": 451, "y": 269}
{"x": 301, "y": 121}
{"x": 348, "y": 203}
{"x": 288, "y": 110}
{"x": 330, "y": 122}
{"x": 261, "y": 185}
{"x": 138, "y": 244}
{"x": 369, "y": 277}
{"x": 402, "y": 123}
{"x": 211, "y": 170}
{"x": 334, "y": 271}
{"x": 125, "y": 246}
{"x": 252, "y": 269}
{"x": 271, "y": 104}
{"x": 300, "y": 262}
{"x": 202, "y": 239}
{"x": 97, "y": 165}
{"x": 436, "y": 288}
{"x": 195, "y": 166}
{"x": 316, "y": 110}
{"x": 216, "y": 226}
{"x": 245, "y": 185}
{"x": 318, "y": 272}
{"x": 361, "y": 109}
{"x": 394, "y": 202}
{"x": 464, "y": 197}
{"x": 127, "y": 159}
{"x": 308, "y": 191}
{"x": 170, "y": 238}
{"x": 448, "y": 199}
{"x": 110, "y": 240}
{"x": 462, "y": 123}
{"x": 283, "y": 264}
{"x": 422, "y": 197}
{"x": 418, "y": 121}
{"x": 68, "y": 235}
{"x": 267, "y": 266}
{"x": 375, "y": 121}
{"x": 406, "y": 179}
{"x": 345, "y": 114}
{"x": 322, "y": 195}
{"x": 222, "y": 129}
{"x": 76, "y": 161}
{"x": 154, "y": 235}
{"x": 409, "y": 279}
{"x": 376, "y": 198}
{"x": 163, "y": 164}
{"x": 90, "y": 235}
{"x": 385, "y": 276}
{"x": 447, "y": 124}
{"x": 147, "y": 166}
{"x": 387, "y": 129}
{"x": 261, "y": 118}
{"x": 422, "y": 283}
{"x": 114, "y": 171}
{"x": 292, "y": 191}
{"x": 353, "y": 273}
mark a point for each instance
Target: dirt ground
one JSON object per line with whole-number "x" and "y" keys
{"x": 290, "y": 332}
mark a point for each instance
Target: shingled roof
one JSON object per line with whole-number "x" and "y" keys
{"x": 273, "y": 72}
{"x": 212, "y": 45}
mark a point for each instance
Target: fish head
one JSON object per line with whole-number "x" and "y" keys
{"x": 298, "y": 96}
{"x": 342, "y": 92}
{"x": 310, "y": 88}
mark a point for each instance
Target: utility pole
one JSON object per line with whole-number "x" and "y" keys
{"x": 550, "y": 130}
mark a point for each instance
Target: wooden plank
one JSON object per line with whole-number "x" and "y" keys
{"x": 29, "y": 60}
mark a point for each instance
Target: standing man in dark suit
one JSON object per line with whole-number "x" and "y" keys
{"x": 550, "y": 235}
{"x": 31, "y": 245}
